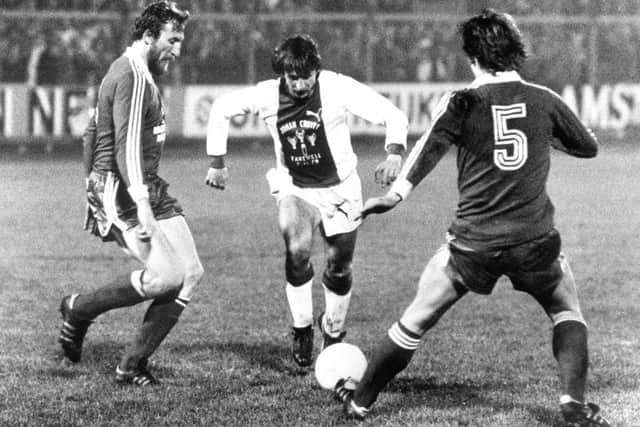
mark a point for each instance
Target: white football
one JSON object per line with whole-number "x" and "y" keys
{"x": 338, "y": 361}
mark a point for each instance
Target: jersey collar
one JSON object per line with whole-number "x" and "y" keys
{"x": 132, "y": 53}
{"x": 498, "y": 77}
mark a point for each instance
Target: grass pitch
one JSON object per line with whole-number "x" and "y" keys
{"x": 227, "y": 362}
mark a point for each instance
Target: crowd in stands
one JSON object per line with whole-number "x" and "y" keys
{"x": 563, "y": 7}
{"x": 235, "y": 46}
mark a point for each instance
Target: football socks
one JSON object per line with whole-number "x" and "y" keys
{"x": 119, "y": 293}
{"x": 336, "y": 307}
{"x": 390, "y": 357}
{"x": 159, "y": 319}
{"x": 571, "y": 352}
{"x": 300, "y": 301}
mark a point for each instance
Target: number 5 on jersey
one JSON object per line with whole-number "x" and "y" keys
{"x": 510, "y": 148}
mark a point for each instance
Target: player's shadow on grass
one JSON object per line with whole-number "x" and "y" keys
{"x": 271, "y": 356}
{"x": 433, "y": 394}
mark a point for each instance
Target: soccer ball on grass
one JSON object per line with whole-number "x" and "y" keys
{"x": 339, "y": 361}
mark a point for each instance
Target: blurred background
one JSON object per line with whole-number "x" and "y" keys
{"x": 588, "y": 50}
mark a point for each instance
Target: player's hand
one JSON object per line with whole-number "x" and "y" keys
{"x": 217, "y": 178}
{"x": 382, "y": 204}
{"x": 89, "y": 220}
{"x": 387, "y": 171}
{"x": 147, "y": 222}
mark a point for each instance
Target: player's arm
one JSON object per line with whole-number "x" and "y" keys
{"x": 368, "y": 104}
{"x": 128, "y": 116}
{"x": 570, "y": 134}
{"x": 236, "y": 103}
{"x": 88, "y": 145}
{"x": 423, "y": 158}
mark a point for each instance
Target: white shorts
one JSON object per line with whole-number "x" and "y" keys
{"x": 340, "y": 205}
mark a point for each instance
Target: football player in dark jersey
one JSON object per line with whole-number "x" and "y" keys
{"x": 503, "y": 128}
{"x": 315, "y": 181}
{"x": 128, "y": 202}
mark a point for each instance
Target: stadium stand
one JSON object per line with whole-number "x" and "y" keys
{"x": 71, "y": 41}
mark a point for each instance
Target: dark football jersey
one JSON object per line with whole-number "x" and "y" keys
{"x": 130, "y": 123}
{"x": 504, "y": 130}
{"x": 305, "y": 149}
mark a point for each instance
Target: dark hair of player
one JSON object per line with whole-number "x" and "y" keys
{"x": 156, "y": 15}
{"x": 298, "y": 53}
{"x": 494, "y": 40}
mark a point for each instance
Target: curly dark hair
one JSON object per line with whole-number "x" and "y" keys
{"x": 297, "y": 53}
{"x": 494, "y": 40}
{"x": 157, "y": 14}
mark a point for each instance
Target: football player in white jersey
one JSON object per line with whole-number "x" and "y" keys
{"x": 315, "y": 181}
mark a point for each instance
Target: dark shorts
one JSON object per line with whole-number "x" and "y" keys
{"x": 112, "y": 211}
{"x": 162, "y": 204}
{"x": 532, "y": 266}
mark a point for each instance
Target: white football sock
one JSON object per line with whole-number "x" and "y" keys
{"x": 300, "y": 301}
{"x": 565, "y": 398}
{"x": 335, "y": 312}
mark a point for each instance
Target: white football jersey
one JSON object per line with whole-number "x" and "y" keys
{"x": 311, "y": 138}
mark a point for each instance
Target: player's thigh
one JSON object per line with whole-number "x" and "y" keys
{"x": 536, "y": 265}
{"x": 297, "y": 220}
{"x": 158, "y": 255}
{"x": 437, "y": 292}
{"x": 561, "y": 300}
{"x": 339, "y": 248}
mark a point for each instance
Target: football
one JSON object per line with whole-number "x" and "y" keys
{"x": 338, "y": 361}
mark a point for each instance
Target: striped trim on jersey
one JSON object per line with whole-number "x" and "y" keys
{"x": 402, "y": 337}
{"x": 134, "y": 131}
{"x": 441, "y": 107}
{"x": 110, "y": 205}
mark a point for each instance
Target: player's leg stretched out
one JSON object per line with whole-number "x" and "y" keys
{"x": 436, "y": 294}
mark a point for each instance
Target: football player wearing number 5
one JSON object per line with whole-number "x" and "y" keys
{"x": 128, "y": 202}
{"x": 315, "y": 181}
{"x": 503, "y": 128}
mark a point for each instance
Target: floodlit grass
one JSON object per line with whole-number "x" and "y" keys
{"x": 487, "y": 363}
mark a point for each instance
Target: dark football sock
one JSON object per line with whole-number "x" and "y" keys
{"x": 571, "y": 352}
{"x": 160, "y": 318}
{"x": 390, "y": 357}
{"x": 119, "y": 293}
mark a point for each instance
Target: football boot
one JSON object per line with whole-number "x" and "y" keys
{"x": 327, "y": 339}
{"x": 73, "y": 330}
{"x": 343, "y": 392}
{"x": 583, "y": 415}
{"x": 140, "y": 376}
{"x": 302, "y": 345}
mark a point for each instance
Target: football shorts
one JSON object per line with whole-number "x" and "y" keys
{"x": 340, "y": 205}
{"x": 532, "y": 267}
{"x": 110, "y": 210}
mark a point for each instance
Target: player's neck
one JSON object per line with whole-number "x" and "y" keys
{"x": 141, "y": 49}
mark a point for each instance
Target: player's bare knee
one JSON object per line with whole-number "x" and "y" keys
{"x": 155, "y": 285}
{"x": 298, "y": 257}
